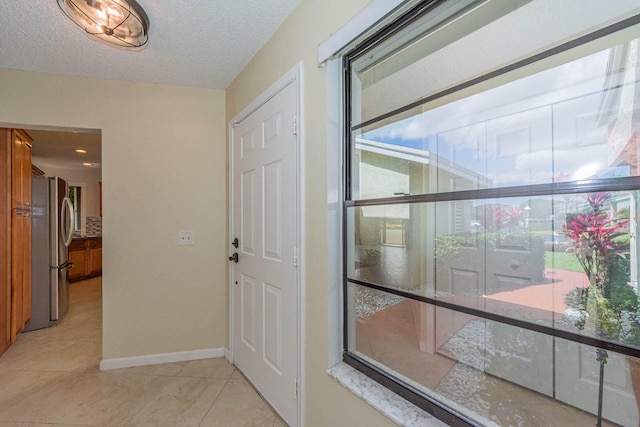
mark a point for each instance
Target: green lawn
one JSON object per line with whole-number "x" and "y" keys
{"x": 563, "y": 261}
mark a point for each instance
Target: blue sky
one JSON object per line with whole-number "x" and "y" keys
{"x": 524, "y": 132}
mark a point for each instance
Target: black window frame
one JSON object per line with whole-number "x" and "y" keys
{"x": 401, "y": 388}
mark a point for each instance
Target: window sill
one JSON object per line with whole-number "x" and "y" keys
{"x": 382, "y": 399}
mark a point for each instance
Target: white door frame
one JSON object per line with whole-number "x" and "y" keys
{"x": 292, "y": 76}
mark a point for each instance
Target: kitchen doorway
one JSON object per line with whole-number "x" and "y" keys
{"x": 74, "y": 156}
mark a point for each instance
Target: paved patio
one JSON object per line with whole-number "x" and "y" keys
{"x": 392, "y": 336}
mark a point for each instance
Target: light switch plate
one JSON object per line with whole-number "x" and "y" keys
{"x": 186, "y": 238}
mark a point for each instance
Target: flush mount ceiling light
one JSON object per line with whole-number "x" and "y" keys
{"x": 119, "y": 22}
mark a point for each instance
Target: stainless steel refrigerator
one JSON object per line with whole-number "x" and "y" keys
{"x": 52, "y": 231}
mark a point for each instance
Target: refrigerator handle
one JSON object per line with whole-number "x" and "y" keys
{"x": 66, "y": 266}
{"x": 67, "y": 221}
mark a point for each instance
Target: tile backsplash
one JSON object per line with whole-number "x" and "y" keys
{"x": 94, "y": 225}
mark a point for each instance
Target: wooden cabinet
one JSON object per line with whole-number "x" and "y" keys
{"x": 36, "y": 171}
{"x": 21, "y": 170}
{"x": 95, "y": 256}
{"x": 15, "y": 236}
{"x": 86, "y": 256}
{"x": 21, "y": 231}
{"x": 20, "y": 271}
{"x": 5, "y": 240}
{"x": 79, "y": 256}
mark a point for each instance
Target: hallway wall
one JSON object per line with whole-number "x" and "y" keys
{"x": 163, "y": 162}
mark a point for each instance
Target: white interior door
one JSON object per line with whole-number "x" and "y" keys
{"x": 264, "y": 186}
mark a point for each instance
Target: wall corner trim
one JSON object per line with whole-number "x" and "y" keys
{"x": 369, "y": 16}
{"x": 157, "y": 359}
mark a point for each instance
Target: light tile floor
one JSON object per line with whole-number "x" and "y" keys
{"x": 50, "y": 377}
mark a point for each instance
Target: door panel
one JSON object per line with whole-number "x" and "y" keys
{"x": 272, "y": 129}
{"x": 272, "y": 299}
{"x": 247, "y": 212}
{"x": 247, "y": 143}
{"x": 272, "y": 226}
{"x": 264, "y": 190}
{"x": 248, "y": 309}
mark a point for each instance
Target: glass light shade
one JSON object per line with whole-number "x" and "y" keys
{"x": 119, "y": 22}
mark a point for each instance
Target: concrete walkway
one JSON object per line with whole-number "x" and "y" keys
{"x": 545, "y": 301}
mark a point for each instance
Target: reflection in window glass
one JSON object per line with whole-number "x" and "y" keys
{"x": 567, "y": 261}
{"x": 75, "y": 198}
{"x": 570, "y": 123}
{"x": 492, "y": 253}
{"x": 493, "y": 372}
{"x": 530, "y": 258}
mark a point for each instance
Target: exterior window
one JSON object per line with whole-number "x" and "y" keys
{"x": 492, "y": 199}
{"x": 75, "y": 197}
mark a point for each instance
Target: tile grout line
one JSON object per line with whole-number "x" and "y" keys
{"x": 204, "y": 417}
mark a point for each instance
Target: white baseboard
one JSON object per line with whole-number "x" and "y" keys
{"x": 157, "y": 359}
{"x": 227, "y": 355}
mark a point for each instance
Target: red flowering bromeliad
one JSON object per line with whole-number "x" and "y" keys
{"x": 512, "y": 218}
{"x": 597, "y": 238}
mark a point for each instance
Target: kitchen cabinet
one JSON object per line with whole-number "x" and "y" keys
{"x": 15, "y": 236}
{"x": 86, "y": 256}
{"x": 21, "y": 231}
{"x": 36, "y": 171}
{"x": 5, "y": 241}
{"x": 79, "y": 257}
{"x": 20, "y": 271}
{"x": 95, "y": 256}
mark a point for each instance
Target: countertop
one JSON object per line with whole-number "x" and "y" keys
{"x": 87, "y": 237}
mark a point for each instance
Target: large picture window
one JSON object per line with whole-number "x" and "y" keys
{"x": 491, "y": 210}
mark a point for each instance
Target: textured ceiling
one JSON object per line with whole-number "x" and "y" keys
{"x": 55, "y": 148}
{"x": 198, "y": 43}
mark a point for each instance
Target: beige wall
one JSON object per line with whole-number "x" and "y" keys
{"x": 327, "y": 403}
{"x": 160, "y": 145}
